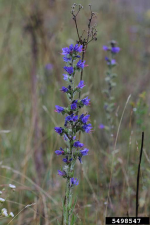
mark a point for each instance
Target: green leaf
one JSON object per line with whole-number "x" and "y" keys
{"x": 73, "y": 206}
{"x": 73, "y": 220}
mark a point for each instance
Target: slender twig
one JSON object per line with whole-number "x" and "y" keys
{"x": 91, "y": 31}
{"x": 75, "y": 20}
{"x": 138, "y": 176}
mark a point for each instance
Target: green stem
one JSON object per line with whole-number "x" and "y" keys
{"x": 68, "y": 194}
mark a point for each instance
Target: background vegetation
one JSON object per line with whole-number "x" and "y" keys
{"x": 31, "y": 67}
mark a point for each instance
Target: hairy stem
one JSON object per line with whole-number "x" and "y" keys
{"x": 68, "y": 194}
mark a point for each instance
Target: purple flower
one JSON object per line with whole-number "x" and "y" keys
{"x": 101, "y": 126}
{"x": 68, "y": 118}
{"x": 84, "y": 119}
{"x": 84, "y": 151}
{"x": 59, "y": 152}
{"x": 110, "y": 62}
{"x": 74, "y": 181}
{"x": 67, "y": 50}
{"x": 71, "y": 118}
{"x": 78, "y": 48}
{"x": 59, "y": 130}
{"x": 75, "y": 118}
{"x": 105, "y": 48}
{"x": 61, "y": 173}
{"x": 80, "y": 64}
{"x": 74, "y": 105}
{"x": 67, "y": 59}
{"x": 71, "y": 49}
{"x": 113, "y": 62}
{"x": 115, "y": 50}
{"x": 81, "y": 117}
{"x": 87, "y": 127}
{"x": 49, "y": 66}
{"x": 85, "y": 101}
{"x": 69, "y": 69}
{"x": 59, "y": 109}
{"x": 78, "y": 144}
{"x": 64, "y": 89}
{"x": 65, "y": 137}
{"x": 80, "y": 159}
{"x": 65, "y": 77}
{"x": 81, "y": 84}
{"x": 66, "y": 160}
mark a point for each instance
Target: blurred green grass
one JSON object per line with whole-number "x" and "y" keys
{"x": 56, "y": 31}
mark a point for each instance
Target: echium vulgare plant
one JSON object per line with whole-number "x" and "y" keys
{"x": 109, "y": 106}
{"x": 74, "y": 123}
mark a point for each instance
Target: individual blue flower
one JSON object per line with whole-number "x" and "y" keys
{"x": 66, "y": 77}
{"x": 113, "y": 62}
{"x": 80, "y": 64}
{"x": 78, "y": 56}
{"x": 64, "y": 89}
{"x": 75, "y": 118}
{"x": 81, "y": 117}
{"x": 78, "y": 144}
{"x": 59, "y": 152}
{"x": 59, "y": 109}
{"x": 87, "y": 127}
{"x": 67, "y": 59}
{"x": 85, "y": 101}
{"x": 59, "y": 130}
{"x": 69, "y": 70}
{"x": 65, "y": 137}
{"x": 110, "y": 62}
{"x": 85, "y": 118}
{"x": 115, "y": 50}
{"x": 78, "y": 48}
{"x": 81, "y": 84}
{"x": 74, "y": 181}
{"x": 61, "y": 173}
{"x": 84, "y": 151}
{"x": 68, "y": 118}
{"x": 105, "y": 48}
{"x": 66, "y": 50}
{"x": 80, "y": 159}
{"x": 101, "y": 126}
{"x": 66, "y": 160}
{"x": 74, "y": 105}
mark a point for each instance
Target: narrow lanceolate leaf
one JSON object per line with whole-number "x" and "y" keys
{"x": 74, "y": 204}
{"x": 74, "y": 218}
